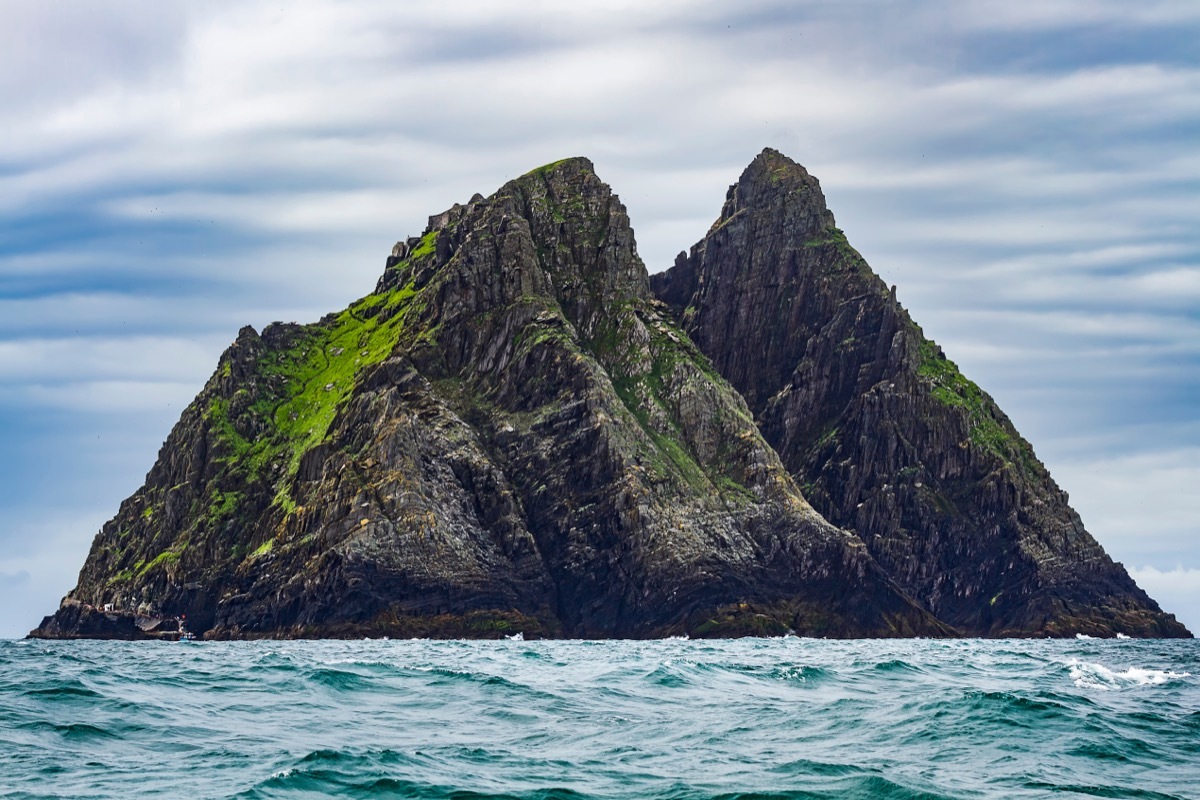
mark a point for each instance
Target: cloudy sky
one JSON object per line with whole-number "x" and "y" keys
{"x": 1028, "y": 174}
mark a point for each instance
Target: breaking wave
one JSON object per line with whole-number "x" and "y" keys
{"x": 1087, "y": 675}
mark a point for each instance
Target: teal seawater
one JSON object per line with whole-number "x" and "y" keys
{"x": 766, "y": 718}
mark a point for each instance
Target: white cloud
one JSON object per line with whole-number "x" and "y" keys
{"x": 1156, "y": 92}
{"x": 1130, "y": 329}
{"x": 135, "y": 357}
{"x": 112, "y": 396}
{"x": 990, "y": 15}
{"x": 1181, "y": 283}
{"x": 1091, "y": 260}
{"x": 339, "y": 212}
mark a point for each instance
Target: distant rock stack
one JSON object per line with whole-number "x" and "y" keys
{"x": 509, "y": 435}
{"x": 883, "y": 433}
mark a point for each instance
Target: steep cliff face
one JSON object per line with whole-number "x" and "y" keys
{"x": 882, "y": 431}
{"x": 509, "y": 434}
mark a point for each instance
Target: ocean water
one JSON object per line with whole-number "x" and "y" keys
{"x": 765, "y": 718}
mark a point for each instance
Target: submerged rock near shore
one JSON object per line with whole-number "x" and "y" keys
{"x": 512, "y": 434}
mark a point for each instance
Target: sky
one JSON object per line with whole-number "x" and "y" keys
{"x": 1027, "y": 174}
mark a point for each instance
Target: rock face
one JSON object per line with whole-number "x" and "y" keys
{"x": 510, "y": 434}
{"x": 880, "y": 429}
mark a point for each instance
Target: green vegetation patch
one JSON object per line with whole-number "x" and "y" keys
{"x": 303, "y": 386}
{"x": 122, "y": 577}
{"x": 548, "y": 167}
{"x": 671, "y": 453}
{"x": 826, "y": 438}
{"x": 951, "y": 388}
{"x": 425, "y": 247}
{"x": 222, "y": 505}
{"x": 851, "y": 258}
{"x": 162, "y": 559}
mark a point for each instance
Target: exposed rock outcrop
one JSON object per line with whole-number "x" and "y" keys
{"x": 510, "y": 434}
{"x": 880, "y": 429}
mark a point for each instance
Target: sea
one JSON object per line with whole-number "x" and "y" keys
{"x": 675, "y": 719}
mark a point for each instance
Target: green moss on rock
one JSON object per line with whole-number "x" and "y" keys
{"x": 951, "y": 388}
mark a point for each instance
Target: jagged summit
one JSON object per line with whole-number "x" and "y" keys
{"x": 507, "y": 435}
{"x": 882, "y": 431}
{"x": 774, "y": 181}
{"x": 774, "y": 205}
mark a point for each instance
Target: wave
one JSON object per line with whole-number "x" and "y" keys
{"x": 72, "y": 690}
{"x": 1017, "y": 704}
{"x": 1121, "y": 792}
{"x": 800, "y": 674}
{"x": 1087, "y": 675}
{"x": 669, "y": 676}
{"x": 379, "y": 773}
{"x": 340, "y": 680}
{"x": 345, "y": 782}
{"x": 895, "y": 665}
{"x": 872, "y": 787}
{"x": 75, "y": 731}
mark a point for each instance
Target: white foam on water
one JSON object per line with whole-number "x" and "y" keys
{"x": 355, "y": 662}
{"x": 1083, "y": 636}
{"x": 1123, "y": 636}
{"x": 1097, "y": 676}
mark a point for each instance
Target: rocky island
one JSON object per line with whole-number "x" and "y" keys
{"x": 520, "y": 430}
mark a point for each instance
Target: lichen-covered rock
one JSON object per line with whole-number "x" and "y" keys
{"x": 510, "y": 434}
{"x": 880, "y": 429}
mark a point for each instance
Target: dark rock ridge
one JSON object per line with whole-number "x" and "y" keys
{"x": 509, "y": 435}
{"x": 882, "y": 431}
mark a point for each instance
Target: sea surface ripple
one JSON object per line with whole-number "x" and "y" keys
{"x": 674, "y": 719}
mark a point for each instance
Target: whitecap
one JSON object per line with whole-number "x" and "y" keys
{"x": 355, "y": 662}
{"x": 1097, "y": 676}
